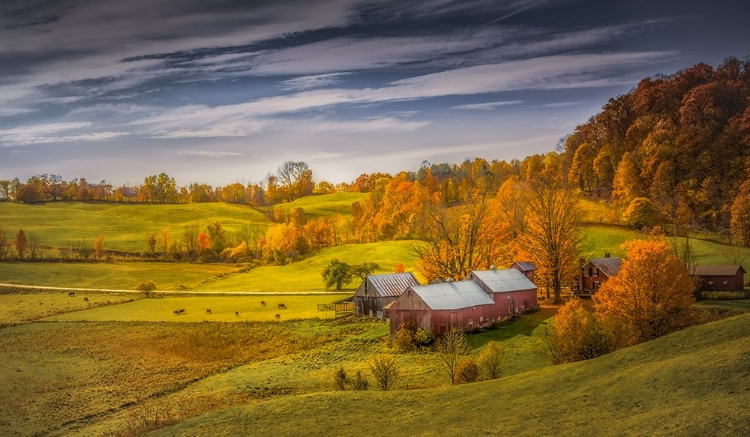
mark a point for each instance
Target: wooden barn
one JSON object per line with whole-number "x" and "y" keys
{"x": 719, "y": 278}
{"x": 595, "y": 273}
{"x": 526, "y": 267}
{"x": 440, "y": 307}
{"x": 511, "y": 290}
{"x": 377, "y": 291}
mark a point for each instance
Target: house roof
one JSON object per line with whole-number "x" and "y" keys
{"x": 390, "y": 284}
{"x": 717, "y": 270}
{"x": 500, "y": 281}
{"x": 609, "y": 266}
{"x": 452, "y": 295}
{"x": 525, "y": 266}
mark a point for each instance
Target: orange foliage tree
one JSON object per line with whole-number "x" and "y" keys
{"x": 204, "y": 242}
{"x": 650, "y": 296}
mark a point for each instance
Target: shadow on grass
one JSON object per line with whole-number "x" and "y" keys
{"x": 522, "y": 325}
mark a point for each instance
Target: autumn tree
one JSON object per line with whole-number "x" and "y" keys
{"x": 649, "y": 297}
{"x": 189, "y": 240}
{"x": 576, "y": 335}
{"x": 166, "y": 237}
{"x": 551, "y": 232}
{"x": 491, "y": 359}
{"x": 151, "y": 241}
{"x": 451, "y": 347}
{"x": 20, "y": 243}
{"x": 740, "y": 222}
{"x": 461, "y": 240}
{"x": 218, "y": 236}
{"x": 337, "y": 274}
{"x": 203, "y": 242}
{"x": 99, "y": 246}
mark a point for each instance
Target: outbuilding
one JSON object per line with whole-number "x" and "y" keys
{"x": 441, "y": 307}
{"x": 595, "y": 273}
{"x": 510, "y": 289}
{"x": 719, "y": 278}
{"x": 377, "y": 291}
{"x": 526, "y": 267}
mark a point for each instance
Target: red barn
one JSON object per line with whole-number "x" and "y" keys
{"x": 510, "y": 289}
{"x": 483, "y": 298}
{"x": 440, "y": 307}
{"x": 526, "y": 267}
{"x": 719, "y": 278}
{"x": 595, "y": 273}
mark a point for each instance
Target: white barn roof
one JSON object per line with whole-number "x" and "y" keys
{"x": 387, "y": 284}
{"x": 500, "y": 281}
{"x": 453, "y": 295}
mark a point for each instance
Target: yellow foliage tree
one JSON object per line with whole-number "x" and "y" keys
{"x": 650, "y": 296}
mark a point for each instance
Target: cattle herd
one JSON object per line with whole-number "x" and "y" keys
{"x": 181, "y": 311}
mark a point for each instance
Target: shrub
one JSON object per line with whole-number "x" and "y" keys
{"x": 490, "y": 360}
{"x": 385, "y": 371}
{"x": 340, "y": 380}
{"x": 450, "y": 348}
{"x": 146, "y": 286}
{"x": 467, "y": 371}
{"x": 360, "y": 382}
{"x": 410, "y": 336}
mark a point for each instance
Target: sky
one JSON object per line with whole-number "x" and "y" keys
{"x": 225, "y": 91}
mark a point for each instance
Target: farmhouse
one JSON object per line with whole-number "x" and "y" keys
{"x": 719, "y": 278}
{"x": 594, "y": 273}
{"x": 481, "y": 299}
{"x": 526, "y": 267}
{"x": 377, "y": 291}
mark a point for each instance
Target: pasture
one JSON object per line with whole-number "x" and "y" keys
{"x": 305, "y": 275}
{"x": 23, "y": 307}
{"x": 125, "y": 227}
{"x": 111, "y": 275}
{"x": 325, "y": 205}
{"x": 663, "y": 387}
{"x": 223, "y": 309}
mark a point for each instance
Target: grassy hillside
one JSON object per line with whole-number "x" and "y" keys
{"x": 305, "y": 275}
{"x": 325, "y": 205}
{"x": 115, "y": 275}
{"x": 124, "y": 227}
{"x": 664, "y": 387}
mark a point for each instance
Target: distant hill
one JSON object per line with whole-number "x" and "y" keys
{"x": 664, "y": 387}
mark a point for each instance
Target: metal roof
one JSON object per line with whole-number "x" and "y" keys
{"x": 717, "y": 270}
{"x": 453, "y": 295}
{"x": 391, "y": 284}
{"x": 610, "y": 266}
{"x": 499, "y": 281}
{"x": 525, "y": 266}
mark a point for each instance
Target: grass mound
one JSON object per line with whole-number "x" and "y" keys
{"x": 694, "y": 382}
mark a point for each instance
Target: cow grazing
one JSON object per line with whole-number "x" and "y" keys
{"x": 176, "y": 312}
{"x": 182, "y": 311}
{"x": 85, "y": 299}
{"x": 72, "y": 294}
{"x": 237, "y": 313}
{"x": 208, "y": 311}
{"x": 282, "y": 306}
{"x": 278, "y": 316}
{"x": 263, "y": 303}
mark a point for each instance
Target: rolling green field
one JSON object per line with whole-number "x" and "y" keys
{"x": 114, "y": 275}
{"x": 325, "y": 205}
{"x": 124, "y": 227}
{"x": 663, "y": 387}
{"x": 223, "y": 309}
{"x": 305, "y": 275}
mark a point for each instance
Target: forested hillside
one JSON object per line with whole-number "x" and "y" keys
{"x": 681, "y": 141}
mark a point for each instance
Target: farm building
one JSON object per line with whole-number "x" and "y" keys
{"x": 510, "y": 289}
{"x": 439, "y": 307}
{"x": 377, "y": 291}
{"x": 481, "y": 299}
{"x": 719, "y": 278}
{"x": 594, "y": 273}
{"x": 526, "y": 267}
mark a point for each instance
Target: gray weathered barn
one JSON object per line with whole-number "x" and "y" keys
{"x": 377, "y": 291}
